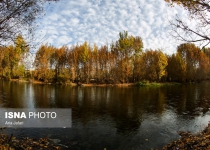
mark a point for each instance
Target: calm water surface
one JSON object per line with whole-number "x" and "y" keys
{"x": 114, "y": 117}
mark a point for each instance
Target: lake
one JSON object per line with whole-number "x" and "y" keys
{"x": 113, "y": 117}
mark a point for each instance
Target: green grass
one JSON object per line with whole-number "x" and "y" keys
{"x": 155, "y": 84}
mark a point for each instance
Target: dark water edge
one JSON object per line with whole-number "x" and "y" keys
{"x": 114, "y": 117}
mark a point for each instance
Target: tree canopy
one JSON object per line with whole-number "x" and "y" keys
{"x": 124, "y": 61}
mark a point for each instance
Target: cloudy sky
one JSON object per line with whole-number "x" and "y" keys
{"x": 68, "y": 22}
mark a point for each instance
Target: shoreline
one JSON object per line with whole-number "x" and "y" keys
{"x": 138, "y": 84}
{"x": 187, "y": 140}
{"x": 12, "y": 143}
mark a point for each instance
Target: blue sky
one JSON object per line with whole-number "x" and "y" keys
{"x": 68, "y": 22}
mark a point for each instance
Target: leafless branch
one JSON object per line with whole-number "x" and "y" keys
{"x": 17, "y": 17}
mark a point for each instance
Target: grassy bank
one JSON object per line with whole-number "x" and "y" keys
{"x": 155, "y": 84}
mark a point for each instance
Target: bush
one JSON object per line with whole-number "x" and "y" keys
{"x": 143, "y": 83}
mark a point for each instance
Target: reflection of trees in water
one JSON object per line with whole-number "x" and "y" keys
{"x": 127, "y": 124}
{"x": 124, "y": 109}
{"x": 42, "y": 95}
{"x": 125, "y": 106}
{"x": 189, "y": 100}
{"x": 12, "y": 94}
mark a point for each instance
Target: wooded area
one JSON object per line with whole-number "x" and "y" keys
{"x": 124, "y": 61}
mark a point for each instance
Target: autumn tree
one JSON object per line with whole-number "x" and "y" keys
{"x": 176, "y": 68}
{"x": 189, "y": 64}
{"x": 190, "y": 54}
{"x": 20, "y": 55}
{"x": 60, "y": 63}
{"x": 198, "y": 11}
{"x": 2, "y": 49}
{"x": 44, "y": 63}
{"x": 127, "y": 48}
{"x": 5, "y": 62}
{"x": 95, "y": 59}
{"x": 85, "y": 60}
{"x": 203, "y": 72}
{"x": 73, "y": 62}
{"x": 13, "y": 57}
{"x": 154, "y": 65}
{"x": 207, "y": 51}
{"x": 137, "y": 47}
{"x": 103, "y": 62}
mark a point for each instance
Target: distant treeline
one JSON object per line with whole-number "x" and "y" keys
{"x": 124, "y": 61}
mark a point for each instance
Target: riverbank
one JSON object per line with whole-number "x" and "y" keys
{"x": 138, "y": 84}
{"x": 188, "y": 141}
{"x": 12, "y": 143}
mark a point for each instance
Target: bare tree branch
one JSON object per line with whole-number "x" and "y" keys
{"x": 199, "y": 11}
{"x": 18, "y": 16}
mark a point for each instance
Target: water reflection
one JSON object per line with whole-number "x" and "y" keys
{"x": 119, "y": 113}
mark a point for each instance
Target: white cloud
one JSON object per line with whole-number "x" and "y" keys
{"x": 64, "y": 40}
{"x": 100, "y": 21}
{"x": 54, "y": 17}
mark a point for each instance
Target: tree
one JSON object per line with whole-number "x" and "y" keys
{"x": 14, "y": 56}
{"x": 154, "y": 65}
{"x": 85, "y": 58}
{"x": 199, "y": 12}
{"x": 188, "y": 64}
{"x": 138, "y": 46}
{"x": 190, "y": 54}
{"x": 176, "y": 68}
{"x": 204, "y": 67}
{"x": 74, "y": 63}
{"x": 60, "y": 63}
{"x": 95, "y": 57}
{"x": 4, "y": 60}
{"x": 18, "y": 15}
{"x": 22, "y": 48}
{"x": 127, "y": 48}
{"x": 103, "y": 64}
{"x": 207, "y": 51}
{"x": 44, "y": 63}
